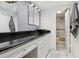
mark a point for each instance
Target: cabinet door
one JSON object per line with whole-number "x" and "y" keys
{"x": 43, "y": 46}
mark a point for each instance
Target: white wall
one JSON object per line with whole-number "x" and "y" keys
{"x": 48, "y": 21}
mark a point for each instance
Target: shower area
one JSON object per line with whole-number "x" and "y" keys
{"x": 60, "y": 30}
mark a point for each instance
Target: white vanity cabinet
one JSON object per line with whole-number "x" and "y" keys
{"x": 43, "y": 46}
{"x": 19, "y": 51}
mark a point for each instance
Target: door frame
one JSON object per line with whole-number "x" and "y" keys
{"x": 68, "y": 48}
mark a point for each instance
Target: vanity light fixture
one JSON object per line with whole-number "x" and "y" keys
{"x": 32, "y": 5}
{"x": 59, "y": 12}
{"x": 39, "y": 10}
{"x": 36, "y": 7}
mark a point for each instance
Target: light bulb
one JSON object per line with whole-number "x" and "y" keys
{"x": 32, "y": 5}
{"x": 36, "y": 7}
{"x": 59, "y": 12}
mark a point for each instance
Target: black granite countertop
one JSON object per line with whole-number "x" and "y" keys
{"x": 17, "y": 38}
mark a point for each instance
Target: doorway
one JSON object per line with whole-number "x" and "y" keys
{"x": 60, "y": 30}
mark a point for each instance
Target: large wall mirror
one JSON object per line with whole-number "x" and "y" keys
{"x": 34, "y": 16}
{"x": 8, "y": 17}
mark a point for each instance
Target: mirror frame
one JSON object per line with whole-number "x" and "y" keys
{"x": 29, "y": 16}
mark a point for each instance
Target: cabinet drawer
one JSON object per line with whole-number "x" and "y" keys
{"x": 29, "y": 44}
{"x": 28, "y": 48}
{"x": 42, "y": 38}
{"x": 12, "y": 53}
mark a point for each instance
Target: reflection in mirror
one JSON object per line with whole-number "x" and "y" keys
{"x": 6, "y": 12}
{"x": 31, "y": 15}
{"x": 36, "y": 17}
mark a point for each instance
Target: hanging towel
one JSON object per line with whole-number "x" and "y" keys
{"x": 74, "y": 20}
{"x": 11, "y": 25}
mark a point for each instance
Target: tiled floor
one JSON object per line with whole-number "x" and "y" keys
{"x": 59, "y": 54}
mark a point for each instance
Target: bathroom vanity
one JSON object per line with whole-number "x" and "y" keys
{"x": 36, "y": 44}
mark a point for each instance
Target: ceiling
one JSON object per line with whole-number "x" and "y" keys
{"x": 52, "y": 4}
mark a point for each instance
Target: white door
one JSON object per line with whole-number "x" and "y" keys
{"x": 67, "y": 30}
